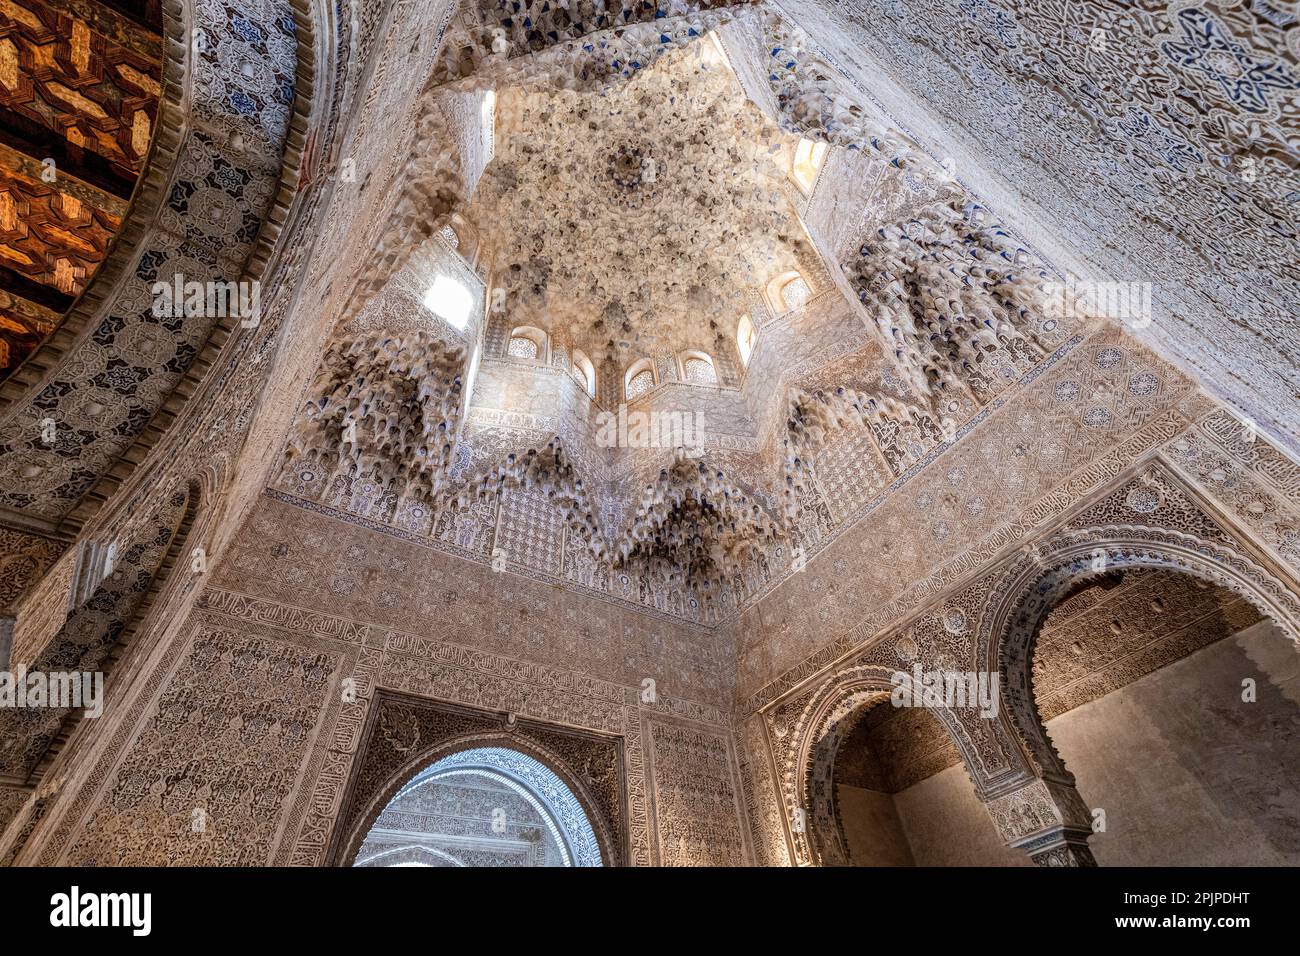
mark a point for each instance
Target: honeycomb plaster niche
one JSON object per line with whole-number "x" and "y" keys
{"x": 570, "y": 44}
{"x": 949, "y": 289}
{"x": 387, "y": 408}
{"x": 1167, "y": 128}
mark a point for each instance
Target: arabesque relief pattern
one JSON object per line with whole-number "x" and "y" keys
{"x": 914, "y": 463}
{"x": 205, "y": 220}
{"x": 1151, "y": 519}
{"x": 1153, "y": 126}
{"x": 406, "y": 735}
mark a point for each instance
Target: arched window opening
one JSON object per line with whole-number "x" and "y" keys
{"x": 522, "y": 347}
{"x": 460, "y": 235}
{"x": 787, "y": 292}
{"x": 745, "y": 338}
{"x": 698, "y": 368}
{"x": 584, "y": 372}
{"x": 487, "y": 806}
{"x": 795, "y": 293}
{"x": 874, "y": 778}
{"x": 808, "y": 158}
{"x": 640, "y": 379}
{"x": 450, "y": 300}
{"x": 527, "y": 343}
{"x": 413, "y": 855}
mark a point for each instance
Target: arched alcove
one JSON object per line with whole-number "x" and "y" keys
{"x": 1057, "y": 573}
{"x": 895, "y": 793}
{"x": 808, "y": 158}
{"x": 834, "y": 715}
{"x": 1173, "y": 703}
{"x": 787, "y": 292}
{"x": 556, "y": 788}
{"x": 528, "y": 343}
{"x": 697, "y": 367}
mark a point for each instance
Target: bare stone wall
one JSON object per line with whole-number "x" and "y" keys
{"x": 872, "y": 828}
{"x": 946, "y": 825}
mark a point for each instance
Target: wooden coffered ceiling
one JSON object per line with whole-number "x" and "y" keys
{"x": 80, "y": 82}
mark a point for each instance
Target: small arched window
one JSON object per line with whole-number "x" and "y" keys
{"x": 584, "y": 372}
{"x": 639, "y": 380}
{"x": 808, "y": 158}
{"x": 459, "y": 235}
{"x": 698, "y": 368}
{"x": 528, "y": 343}
{"x": 745, "y": 338}
{"x": 788, "y": 291}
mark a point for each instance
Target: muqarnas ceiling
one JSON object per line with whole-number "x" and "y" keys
{"x": 628, "y": 221}
{"x": 638, "y": 218}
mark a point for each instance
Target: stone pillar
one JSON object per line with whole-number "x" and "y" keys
{"x": 1047, "y": 819}
{"x": 1070, "y": 849}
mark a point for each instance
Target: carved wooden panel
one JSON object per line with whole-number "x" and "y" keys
{"x": 49, "y": 235}
{"x": 79, "y": 91}
{"x": 62, "y": 74}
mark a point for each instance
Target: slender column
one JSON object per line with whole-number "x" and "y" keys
{"x": 1047, "y": 819}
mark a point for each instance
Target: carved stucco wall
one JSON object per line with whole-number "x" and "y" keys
{"x": 208, "y": 434}
{"x": 1098, "y": 129}
{"x": 1193, "y": 469}
{"x": 1078, "y": 421}
{"x": 1096, "y": 642}
{"x": 214, "y": 177}
{"x": 1104, "y": 403}
{"x": 243, "y": 714}
{"x": 1177, "y": 752}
